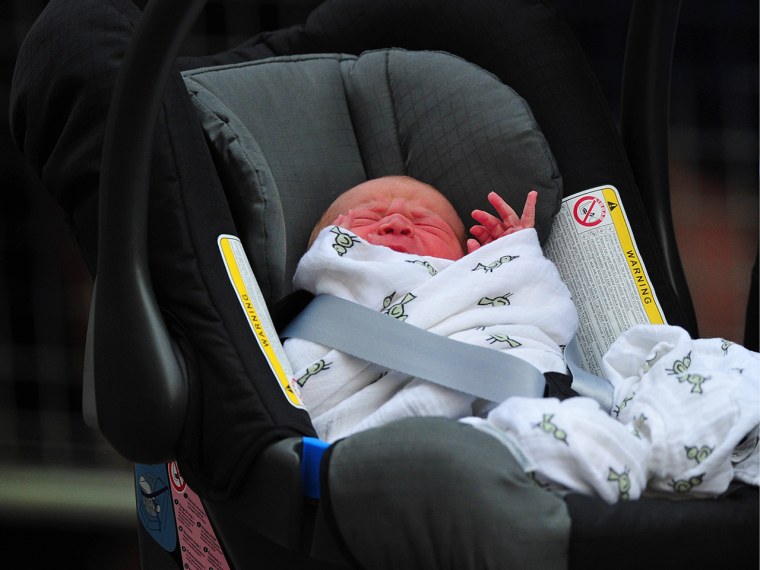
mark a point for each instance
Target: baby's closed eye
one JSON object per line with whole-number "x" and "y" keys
{"x": 365, "y": 219}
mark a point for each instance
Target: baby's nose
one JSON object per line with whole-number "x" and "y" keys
{"x": 396, "y": 224}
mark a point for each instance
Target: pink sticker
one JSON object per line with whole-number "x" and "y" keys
{"x": 199, "y": 546}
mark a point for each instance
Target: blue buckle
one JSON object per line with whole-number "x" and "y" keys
{"x": 311, "y": 456}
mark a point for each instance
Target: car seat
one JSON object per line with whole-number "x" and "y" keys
{"x": 196, "y": 360}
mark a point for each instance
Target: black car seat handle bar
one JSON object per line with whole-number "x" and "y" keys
{"x": 645, "y": 119}
{"x": 137, "y": 379}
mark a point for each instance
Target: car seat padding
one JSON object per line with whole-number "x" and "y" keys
{"x": 481, "y": 511}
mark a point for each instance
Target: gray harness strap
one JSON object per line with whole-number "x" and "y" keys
{"x": 482, "y": 372}
{"x": 393, "y": 344}
{"x": 585, "y": 383}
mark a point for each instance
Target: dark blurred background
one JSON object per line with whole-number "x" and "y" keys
{"x": 66, "y": 499}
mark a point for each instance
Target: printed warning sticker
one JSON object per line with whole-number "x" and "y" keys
{"x": 199, "y": 546}
{"x": 595, "y": 252}
{"x": 154, "y": 509}
{"x": 589, "y": 211}
{"x": 253, "y": 305}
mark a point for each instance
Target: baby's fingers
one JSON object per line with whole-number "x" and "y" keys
{"x": 528, "y": 219}
{"x": 489, "y": 223}
{"x": 481, "y": 234}
{"x": 504, "y": 210}
{"x": 472, "y": 245}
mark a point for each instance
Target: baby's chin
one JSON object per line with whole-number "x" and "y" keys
{"x": 410, "y": 249}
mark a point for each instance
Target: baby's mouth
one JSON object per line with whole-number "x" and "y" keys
{"x": 402, "y": 244}
{"x": 399, "y": 243}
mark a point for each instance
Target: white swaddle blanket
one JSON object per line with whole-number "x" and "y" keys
{"x": 684, "y": 421}
{"x": 506, "y": 295}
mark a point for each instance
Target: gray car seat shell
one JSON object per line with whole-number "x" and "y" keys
{"x": 484, "y": 512}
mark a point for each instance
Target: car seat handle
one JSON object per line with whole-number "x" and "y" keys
{"x": 644, "y": 125}
{"x": 135, "y": 384}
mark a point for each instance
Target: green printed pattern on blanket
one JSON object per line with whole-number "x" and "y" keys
{"x": 426, "y": 264}
{"x": 313, "y": 370}
{"x": 343, "y": 241}
{"x": 489, "y": 268}
{"x": 397, "y": 310}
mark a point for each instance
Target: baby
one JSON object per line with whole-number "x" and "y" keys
{"x": 397, "y": 245}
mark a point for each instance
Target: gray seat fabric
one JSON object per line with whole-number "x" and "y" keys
{"x": 480, "y": 512}
{"x": 289, "y": 134}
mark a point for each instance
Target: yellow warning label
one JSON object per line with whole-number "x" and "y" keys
{"x": 251, "y": 299}
{"x": 638, "y": 272}
{"x": 595, "y": 252}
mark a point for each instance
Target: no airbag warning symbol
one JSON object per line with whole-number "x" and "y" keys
{"x": 589, "y": 211}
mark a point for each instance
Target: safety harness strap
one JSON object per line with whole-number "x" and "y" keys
{"x": 393, "y": 344}
{"x": 585, "y": 383}
{"x": 482, "y": 372}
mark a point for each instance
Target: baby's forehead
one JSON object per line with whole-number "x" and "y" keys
{"x": 381, "y": 192}
{"x": 359, "y": 197}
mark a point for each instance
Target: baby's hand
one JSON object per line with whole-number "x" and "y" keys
{"x": 491, "y": 228}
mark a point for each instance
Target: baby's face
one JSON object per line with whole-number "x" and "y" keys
{"x": 401, "y": 213}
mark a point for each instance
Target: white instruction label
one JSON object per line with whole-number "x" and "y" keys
{"x": 594, "y": 250}
{"x": 255, "y": 309}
